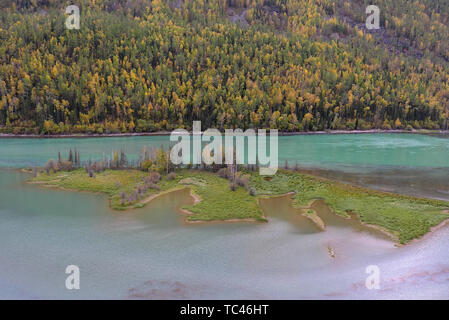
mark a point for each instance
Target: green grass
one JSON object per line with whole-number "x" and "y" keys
{"x": 281, "y": 183}
{"x": 218, "y": 202}
{"x": 110, "y": 182}
{"x": 405, "y": 217}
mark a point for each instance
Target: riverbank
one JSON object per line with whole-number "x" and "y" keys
{"x": 167, "y": 133}
{"x": 405, "y": 218}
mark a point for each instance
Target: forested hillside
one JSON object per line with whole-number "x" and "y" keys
{"x": 295, "y": 65}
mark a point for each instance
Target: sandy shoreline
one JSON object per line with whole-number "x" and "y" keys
{"x": 383, "y": 231}
{"x": 314, "y": 217}
{"x": 220, "y": 221}
{"x": 196, "y": 199}
{"x": 396, "y": 239}
{"x": 156, "y": 195}
{"x": 431, "y": 231}
{"x": 167, "y": 133}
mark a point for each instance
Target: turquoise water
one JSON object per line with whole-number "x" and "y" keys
{"x": 151, "y": 253}
{"x": 320, "y": 151}
{"x": 340, "y": 151}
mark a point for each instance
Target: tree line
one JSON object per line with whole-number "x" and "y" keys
{"x": 145, "y": 66}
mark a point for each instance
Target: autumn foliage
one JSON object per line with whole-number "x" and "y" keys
{"x": 298, "y": 65}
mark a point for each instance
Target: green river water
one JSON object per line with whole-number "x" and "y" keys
{"x": 151, "y": 253}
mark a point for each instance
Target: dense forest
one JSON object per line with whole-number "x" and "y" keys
{"x": 153, "y": 65}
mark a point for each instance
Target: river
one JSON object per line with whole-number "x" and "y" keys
{"x": 151, "y": 253}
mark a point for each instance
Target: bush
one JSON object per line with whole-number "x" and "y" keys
{"x": 223, "y": 173}
{"x": 350, "y": 125}
{"x": 154, "y": 176}
{"x": 65, "y": 166}
{"x": 243, "y": 181}
{"x": 146, "y": 165}
{"x": 142, "y": 125}
{"x": 364, "y": 125}
{"x": 252, "y": 192}
{"x": 155, "y": 186}
{"x": 50, "y": 165}
{"x": 171, "y": 176}
{"x": 386, "y": 125}
{"x": 97, "y": 167}
{"x": 398, "y": 124}
{"x": 141, "y": 189}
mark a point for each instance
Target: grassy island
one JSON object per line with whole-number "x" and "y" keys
{"x": 126, "y": 190}
{"x": 404, "y": 217}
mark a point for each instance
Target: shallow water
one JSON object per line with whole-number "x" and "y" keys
{"x": 153, "y": 253}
